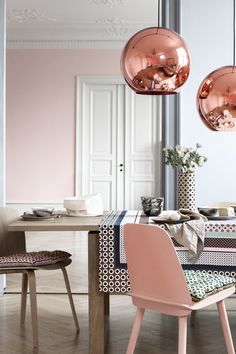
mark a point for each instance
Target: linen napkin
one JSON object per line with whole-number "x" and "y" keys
{"x": 190, "y": 234}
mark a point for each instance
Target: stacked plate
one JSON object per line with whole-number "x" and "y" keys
{"x": 40, "y": 214}
{"x": 221, "y": 211}
{"x": 170, "y": 217}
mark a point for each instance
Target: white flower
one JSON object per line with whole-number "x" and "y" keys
{"x": 193, "y": 165}
{"x": 180, "y": 153}
{"x": 201, "y": 160}
{"x": 184, "y": 158}
{"x": 179, "y": 148}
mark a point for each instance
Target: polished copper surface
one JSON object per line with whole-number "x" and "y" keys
{"x": 155, "y": 61}
{"x": 216, "y": 99}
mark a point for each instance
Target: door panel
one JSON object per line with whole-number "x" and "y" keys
{"x": 141, "y": 154}
{"x": 105, "y": 189}
{"x": 98, "y": 142}
{"x": 120, "y": 143}
{"x": 102, "y": 118}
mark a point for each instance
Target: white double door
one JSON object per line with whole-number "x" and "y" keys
{"x": 118, "y": 143}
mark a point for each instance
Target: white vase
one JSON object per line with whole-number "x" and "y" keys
{"x": 186, "y": 191}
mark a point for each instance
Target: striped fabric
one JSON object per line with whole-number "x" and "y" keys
{"x": 218, "y": 256}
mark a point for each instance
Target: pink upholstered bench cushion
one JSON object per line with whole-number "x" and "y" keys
{"x": 34, "y": 258}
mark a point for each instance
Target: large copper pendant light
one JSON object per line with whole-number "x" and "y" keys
{"x": 216, "y": 97}
{"x": 155, "y": 61}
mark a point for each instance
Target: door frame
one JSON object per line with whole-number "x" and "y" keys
{"x": 169, "y": 107}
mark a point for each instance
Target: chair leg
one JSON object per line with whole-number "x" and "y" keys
{"x": 23, "y": 297}
{"x": 135, "y": 330}
{"x": 225, "y": 327}
{"x": 182, "y": 335}
{"x": 33, "y": 306}
{"x": 70, "y": 298}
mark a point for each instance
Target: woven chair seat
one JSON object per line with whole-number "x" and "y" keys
{"x": 201, "y": 284}
{"x": 35, "y": 259}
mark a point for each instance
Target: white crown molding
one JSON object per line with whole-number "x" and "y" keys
{"x": 65, "y": 44}
{"x": 101, "y": 34}
{"x": 106, "y": 33}
{"x": 100, "y": 30}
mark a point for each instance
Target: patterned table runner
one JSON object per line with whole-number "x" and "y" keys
{"x": 219, "y": 254}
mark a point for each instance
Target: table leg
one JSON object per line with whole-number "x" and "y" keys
{"x": 98, "y": 301}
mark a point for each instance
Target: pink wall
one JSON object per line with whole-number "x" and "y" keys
{"x": 40, "y": 114}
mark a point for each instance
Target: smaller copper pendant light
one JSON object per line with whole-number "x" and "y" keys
{"x": 216, "y": 97}
{"x": 155, "y": 61}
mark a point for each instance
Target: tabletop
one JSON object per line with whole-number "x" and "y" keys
{"x": 64, "y": 223}
{"x": 91, "y": 223}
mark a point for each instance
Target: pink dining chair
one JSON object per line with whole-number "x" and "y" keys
{"x": 15, "y": 259}
{"x": 159, "y": 283}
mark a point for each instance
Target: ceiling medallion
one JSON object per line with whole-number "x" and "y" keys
{"x": 26, "y": 15}
{"x": 109, "y": 3}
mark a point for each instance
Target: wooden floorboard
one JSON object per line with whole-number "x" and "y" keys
{"x": 57, "y": 334}
{"x": 158, "y": 333}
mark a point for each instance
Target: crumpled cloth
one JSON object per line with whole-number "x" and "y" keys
{"x": 190, "y": 234}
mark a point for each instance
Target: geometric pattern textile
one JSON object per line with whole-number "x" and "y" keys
{"x": 34, "y": 258}
{"x": 201, "y": 284}
{"x": 218, "y": 257}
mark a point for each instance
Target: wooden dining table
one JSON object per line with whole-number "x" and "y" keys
{"x": 98, "y": 301}
{"x": 221, "y": 239}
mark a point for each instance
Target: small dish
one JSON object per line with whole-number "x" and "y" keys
{"x": 34, "y": 217}
{"x": 159, "y": 220}
{"x": 43, "y": 212}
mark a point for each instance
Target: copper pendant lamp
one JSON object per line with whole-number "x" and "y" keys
{"x": 216, "y": 97}
{"x": 155, "y": 61}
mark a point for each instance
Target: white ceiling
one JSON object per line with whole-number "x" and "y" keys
{"x": 78, "y": 20}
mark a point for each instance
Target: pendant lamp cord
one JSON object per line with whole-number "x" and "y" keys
{"x": 159, "y": 17}
{"x": 234, "y": 33}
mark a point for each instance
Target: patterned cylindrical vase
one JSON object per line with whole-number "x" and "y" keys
{"x": 186, "y": 191}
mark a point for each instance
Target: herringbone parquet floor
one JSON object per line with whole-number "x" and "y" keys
{"x": 56, "y": 329}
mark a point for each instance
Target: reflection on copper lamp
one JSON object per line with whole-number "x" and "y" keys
{"x": 155, "y": 61}
{"x": 216, "y": 97}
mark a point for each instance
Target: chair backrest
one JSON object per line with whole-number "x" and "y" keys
{"x": 10, "y": 242}
{"x": 153, "y": 265}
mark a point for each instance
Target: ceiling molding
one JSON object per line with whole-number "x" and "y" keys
{"x": 85, "y": 23}
{"x": 107, "y": 30}
{"x": 65, "y": 44}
